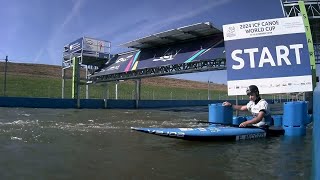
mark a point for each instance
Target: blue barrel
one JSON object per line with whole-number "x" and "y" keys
{"x": 295, "y": 131}
{"x": 294, "y": 118}
{"x": 277, "y": 120}
{"x": 238, "y": 120}
{"x": 220, "y": 114}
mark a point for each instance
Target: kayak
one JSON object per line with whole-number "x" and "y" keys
{"x": 215, "y": 132}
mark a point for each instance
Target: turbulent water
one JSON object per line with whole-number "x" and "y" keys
{"x": 98, "y": 144}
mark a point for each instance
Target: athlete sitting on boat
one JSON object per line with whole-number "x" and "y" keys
{"x": 257, "y": 106}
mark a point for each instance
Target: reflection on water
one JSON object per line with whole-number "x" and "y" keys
{"x": 98, "y": 144}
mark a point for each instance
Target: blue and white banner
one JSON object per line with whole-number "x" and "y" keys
{"x": 272, "y": 54}
{"x": 90, "y": 44}
{"x": 118, "y": 64}
{"x": 75, "y": 46}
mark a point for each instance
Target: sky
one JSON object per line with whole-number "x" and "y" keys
{"x": 35, "y": 31}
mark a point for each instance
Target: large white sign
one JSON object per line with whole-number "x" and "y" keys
{"x": 90, "y": 44}
{"x": 272, "y": 54}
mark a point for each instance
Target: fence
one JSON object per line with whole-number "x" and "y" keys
{"x": 26, "y": 85}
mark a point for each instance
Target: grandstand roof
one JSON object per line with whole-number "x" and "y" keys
{"x": 174, "y": 36}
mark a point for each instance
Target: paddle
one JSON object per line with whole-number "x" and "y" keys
{"x": 206, "y": 122}
{"x": 232, "y": 125}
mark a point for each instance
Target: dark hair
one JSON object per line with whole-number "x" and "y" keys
{"x": 252, "y": 89}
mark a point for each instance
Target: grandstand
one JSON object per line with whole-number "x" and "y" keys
{"x": 188, "y": 49}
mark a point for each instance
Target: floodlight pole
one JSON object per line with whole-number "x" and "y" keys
{"x": 87, "y": 86}
{"x": 208, "y": 90}
{"x": 209, "y": 85}
{"x": 105, "y": 95}
{"x": 63, "y": 83}
{"x": 5, "y": 77}
{"x": 138, "y": 88}
{"x": 116, "y": 90}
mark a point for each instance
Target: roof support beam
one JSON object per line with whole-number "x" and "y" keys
{"x": 198, "y": 66}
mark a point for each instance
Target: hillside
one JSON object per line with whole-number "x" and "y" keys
{"x": 41, "y": 70}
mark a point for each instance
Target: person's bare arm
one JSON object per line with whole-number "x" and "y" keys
{"x": 235, "y": 107}
{"x": 253, "y": 120}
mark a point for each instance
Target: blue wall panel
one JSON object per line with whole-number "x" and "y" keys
{"x": 99, "y": 103}
{"x": 37, "y": 102}
{"x": 121, "y": 104}
{"x": 92, "y": 103}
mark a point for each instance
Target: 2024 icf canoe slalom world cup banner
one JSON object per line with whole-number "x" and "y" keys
{"x": 272, "y": 54}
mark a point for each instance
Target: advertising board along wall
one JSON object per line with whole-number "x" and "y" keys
{"x": 272, "y": 54}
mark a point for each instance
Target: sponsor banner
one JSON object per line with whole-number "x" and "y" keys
{"x": 118, "y": 64}
{"x": 262, "y": 28}
{"x": 212, "y": 53}
{"x": 180, "y": 53}
{"x": 75, "y": 46}
{"x": 272, "y": 85}
{"x": 256, "y": 58}
{"x": 90, "y": 44}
